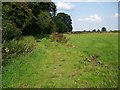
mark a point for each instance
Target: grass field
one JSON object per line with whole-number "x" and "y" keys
{"x": 86, "y": 61}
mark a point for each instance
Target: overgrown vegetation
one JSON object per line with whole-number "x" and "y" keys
{"x": 15, "y": 47}
{"x": 28, "y": 18}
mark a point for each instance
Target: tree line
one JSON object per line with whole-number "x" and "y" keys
{"x": 32, "y": 18}
{"x": 103, "y": 29}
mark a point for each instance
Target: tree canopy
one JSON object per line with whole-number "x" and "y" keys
{"x": 103, "y": 29}
{"x": 63, "y": 22}
{"x": 30, "y": 18}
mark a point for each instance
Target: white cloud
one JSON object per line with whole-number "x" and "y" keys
{"x": 116, "y": 15}
{"x": 64, "y": 6}
{"x": 92, "y": 18}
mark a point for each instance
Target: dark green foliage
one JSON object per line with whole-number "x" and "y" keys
{"x": 10, "y": 31}
{"x": 94, "y": 30}
{"x": 45, "y": 23}
{"x": 42, "y": 6}
{"x": 18, "y": 13}
{"x": 36, "y": 17}
{"x": 66, "y": 20}
{"x": 26, "y": 15}
{"x": 103, "y": 29}
{"x": 59, "y": 23}
{"x": 63, "y": 22}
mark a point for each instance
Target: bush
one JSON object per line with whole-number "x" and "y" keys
{"x": 58, "y": 37}
{"x": 15, "y": 47}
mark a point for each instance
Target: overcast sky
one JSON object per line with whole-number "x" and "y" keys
{"x": 90, "y": 14}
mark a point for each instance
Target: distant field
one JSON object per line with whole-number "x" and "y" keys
{"x": 86, "y": 61}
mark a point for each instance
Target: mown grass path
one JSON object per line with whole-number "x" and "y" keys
{"x": 53, "y": 65}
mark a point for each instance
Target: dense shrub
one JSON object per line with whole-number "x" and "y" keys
{"x": 15, "y": 47}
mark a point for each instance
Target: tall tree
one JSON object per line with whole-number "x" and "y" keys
{"x": 34, "y": 18}
{"x": 38, "y": 7}
{"x": 16, "y": 16}
{"x": 45, "y": 22}
{"x": 18, "y": 12}
{"x": 64, "y": 22}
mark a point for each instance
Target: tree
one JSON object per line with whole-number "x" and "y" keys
{"x": 103, "y": 29}
{"x": 17, "y": 13}
{"x": 32, "y": 18}
{"x": 84, "y": 30}
{"x": 38, "y": 7}
{"x": 45, "y": 23}
{"x": 25, "y": 14}
{"x": 67, "y": 21}
{"x": 94, "y": 30}
{"x": 63, "y": 22}
{"x": 37, "y": 11}
{"x": 61, "y": 27}
{"x": 98, "y": 30}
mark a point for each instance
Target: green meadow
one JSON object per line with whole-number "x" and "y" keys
{"x": 86, "y": 61}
